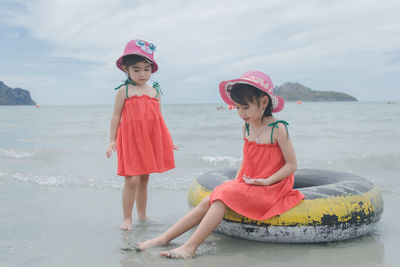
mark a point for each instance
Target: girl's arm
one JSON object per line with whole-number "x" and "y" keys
{"x": 290, "y": 160}
{"x": 238, "y": 171}
{"x": 240, "y": 167}
{"x": 244, "y": 135}
{"x": 115, "y": 119}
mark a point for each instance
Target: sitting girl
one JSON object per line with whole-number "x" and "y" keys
{"x": 263, "y": 186}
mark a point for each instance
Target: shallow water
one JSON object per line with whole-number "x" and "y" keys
{"x": 60, "y": 196}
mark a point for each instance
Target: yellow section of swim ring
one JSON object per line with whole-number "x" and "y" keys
{"x": 307, "y": 212}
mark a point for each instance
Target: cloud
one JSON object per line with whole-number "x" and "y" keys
{"x": 85, "y": 29}
{"x": 211, "y": 39}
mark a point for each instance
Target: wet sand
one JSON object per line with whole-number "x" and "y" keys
{"x": 71, "y": 226}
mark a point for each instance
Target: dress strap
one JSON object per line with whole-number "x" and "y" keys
{"x": 246, "y": 129}
{"x": 275, "y": 125}
{"x": 126, "y": 85}
{"x": 157, "y": 86}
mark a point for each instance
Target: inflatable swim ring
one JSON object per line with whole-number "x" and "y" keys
{"x": 337, "y": 206}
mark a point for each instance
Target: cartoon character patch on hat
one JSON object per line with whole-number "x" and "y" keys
{"x": 149, "y": 48}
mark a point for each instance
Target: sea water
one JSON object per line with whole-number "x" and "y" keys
{"x": 60, "y": 197}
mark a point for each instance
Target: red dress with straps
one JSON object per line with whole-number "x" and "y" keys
{"x": 259, "y": 202}
{"x": 144, "y": 144}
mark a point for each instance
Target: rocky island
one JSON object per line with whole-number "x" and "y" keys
{"x": 298, "y": 92}
{"x": 14, "y": 96}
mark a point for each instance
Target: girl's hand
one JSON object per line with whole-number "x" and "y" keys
{"x": 175, "y": 147}
{"x": 111, "y": 147}
{"x": 252, "y": 181}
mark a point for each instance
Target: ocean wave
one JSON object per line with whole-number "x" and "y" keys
{"x": 157, "y": 181}
{"x": 222, "y": 160}
{"x": 17, "y": 154}
{"x": 382, "y": 170}
{"x": 368, "y": 163}
{"x": 55, "y": 180}
{"x": 165, "y": 182}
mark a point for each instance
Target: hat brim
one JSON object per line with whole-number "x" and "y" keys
{"x": 277, "y": 101}
{"x": 119, "y": 61}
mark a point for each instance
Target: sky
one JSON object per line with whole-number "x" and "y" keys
{"x": 64, "y": 52}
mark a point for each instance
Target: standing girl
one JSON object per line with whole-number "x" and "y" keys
{"x": 263, "y": 186}
{"x": 138, "y": 132}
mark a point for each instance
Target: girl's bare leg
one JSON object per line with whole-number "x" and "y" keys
{"x": 141, "y": 197}
{"x": 187, "y": 222}
{"x": 210, "y": 221}
{"x": 128, "y": 199}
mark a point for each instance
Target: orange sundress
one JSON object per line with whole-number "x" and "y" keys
{"x": 259, "y": 202}
{"x": 144, "y": 144}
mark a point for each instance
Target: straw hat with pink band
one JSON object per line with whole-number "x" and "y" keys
{"x": 257, "y": 79}
{"x": 140, "y": 48}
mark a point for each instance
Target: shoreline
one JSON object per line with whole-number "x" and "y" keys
{"x": 64, "y": 226}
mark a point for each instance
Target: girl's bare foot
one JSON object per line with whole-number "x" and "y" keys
{"x": 126, "y": 225}
{"x": 155, "y": 242}
{"x": 178, "y": 253}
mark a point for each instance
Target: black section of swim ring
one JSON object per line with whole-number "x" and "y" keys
{"x": 312, "y": 183}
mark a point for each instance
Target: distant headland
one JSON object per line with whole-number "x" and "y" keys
{"x": 289, "y": 91}
{"x": 14, "y": 96}
{"x": 298, "y": 92}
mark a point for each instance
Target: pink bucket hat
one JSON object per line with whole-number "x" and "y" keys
{"x": 140, "y": 48}
{"x": 257, "y": 79}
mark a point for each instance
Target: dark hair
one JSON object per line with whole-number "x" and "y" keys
{"x": 244, "y": 94}
{"x": 130, "y": 60}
